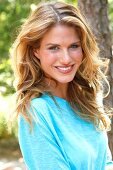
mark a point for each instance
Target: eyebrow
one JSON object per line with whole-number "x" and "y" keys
{"x": 59, "y": 44}
{"x": 52, "y": 44}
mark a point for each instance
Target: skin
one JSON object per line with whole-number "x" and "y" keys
{"x": 60, "y": 55}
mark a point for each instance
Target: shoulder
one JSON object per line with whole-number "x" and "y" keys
{"x": 43, "y": 102}
{"x": 38, "y": 103}
{"x": 40, "y": 109}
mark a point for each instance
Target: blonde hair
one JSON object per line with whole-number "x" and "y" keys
{"x": 29, "y": 77}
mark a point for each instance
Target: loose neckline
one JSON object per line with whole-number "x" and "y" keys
{"x": 55, "y": 97}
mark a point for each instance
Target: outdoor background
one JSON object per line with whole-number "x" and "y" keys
{"x": 12, "y": 14}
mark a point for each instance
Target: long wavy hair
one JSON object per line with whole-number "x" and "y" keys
{"x": 88, "y": 80}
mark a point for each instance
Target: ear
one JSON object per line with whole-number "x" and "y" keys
{"x": 36, "y": 53}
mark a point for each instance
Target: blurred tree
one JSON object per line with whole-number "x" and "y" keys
{"x": 97, "y": 14}
{"x": 12, "y": 15}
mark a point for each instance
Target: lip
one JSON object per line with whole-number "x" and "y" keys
{"x": 65, "y": 69}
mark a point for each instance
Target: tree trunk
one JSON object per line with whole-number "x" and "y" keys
{"x": 97, "y": 17}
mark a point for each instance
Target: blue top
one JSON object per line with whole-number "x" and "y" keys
{"x": 60, "y": 139}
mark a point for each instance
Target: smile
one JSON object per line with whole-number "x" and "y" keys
{"x": 64, "y": 69}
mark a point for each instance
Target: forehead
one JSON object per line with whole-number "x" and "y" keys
{"x": 60, "y": 33}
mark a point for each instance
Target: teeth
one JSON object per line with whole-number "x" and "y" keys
{"x": 64, "y": 68}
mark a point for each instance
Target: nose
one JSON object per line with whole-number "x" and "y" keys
{"x": 65, "y": 58}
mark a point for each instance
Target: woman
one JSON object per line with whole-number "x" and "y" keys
{"x": 58, "y": 76}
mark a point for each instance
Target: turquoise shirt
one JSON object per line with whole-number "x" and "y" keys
{"x": 60, "y": 139}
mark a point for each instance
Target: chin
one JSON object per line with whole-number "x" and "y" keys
{"x": 65, "y": 81}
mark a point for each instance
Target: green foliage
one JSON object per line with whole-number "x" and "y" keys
{"x": 5, "y": 131}
{"x": 6, "y": 77}
{"x": 3, "y": 127}
{"x": 74, "y": 2}
{"x": 8, "y": 129}
{"x": 12, "y": 15}
{"x": 9, "y": 146}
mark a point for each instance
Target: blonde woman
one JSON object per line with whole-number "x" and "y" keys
{"x": 58, "y": 75}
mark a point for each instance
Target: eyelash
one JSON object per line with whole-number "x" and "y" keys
{"x": 74, "y": 46}
{"x": 54, "y": 48}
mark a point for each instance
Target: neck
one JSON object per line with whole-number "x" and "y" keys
{"x": 58, "y": 89}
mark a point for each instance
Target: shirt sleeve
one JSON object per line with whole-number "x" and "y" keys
{"x": 39, "y": 147}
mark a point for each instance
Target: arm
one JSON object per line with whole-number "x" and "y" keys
{"x": 39, "y": 147}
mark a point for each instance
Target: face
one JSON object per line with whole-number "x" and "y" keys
{"x": 60, "y": 53}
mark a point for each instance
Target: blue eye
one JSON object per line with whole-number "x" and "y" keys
{"x": 54, "y": 48}
{"x": 74, "y": 46}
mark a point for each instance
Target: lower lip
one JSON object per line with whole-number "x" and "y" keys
{"x": 65, "y": 71}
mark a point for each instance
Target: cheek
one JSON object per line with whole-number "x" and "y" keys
{"x": 81, "y": 57}
{"x": 47, "y": 58}
{"x": 78, "y": 57}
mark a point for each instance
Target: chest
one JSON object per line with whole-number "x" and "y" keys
{"x": 83, "y": 144}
